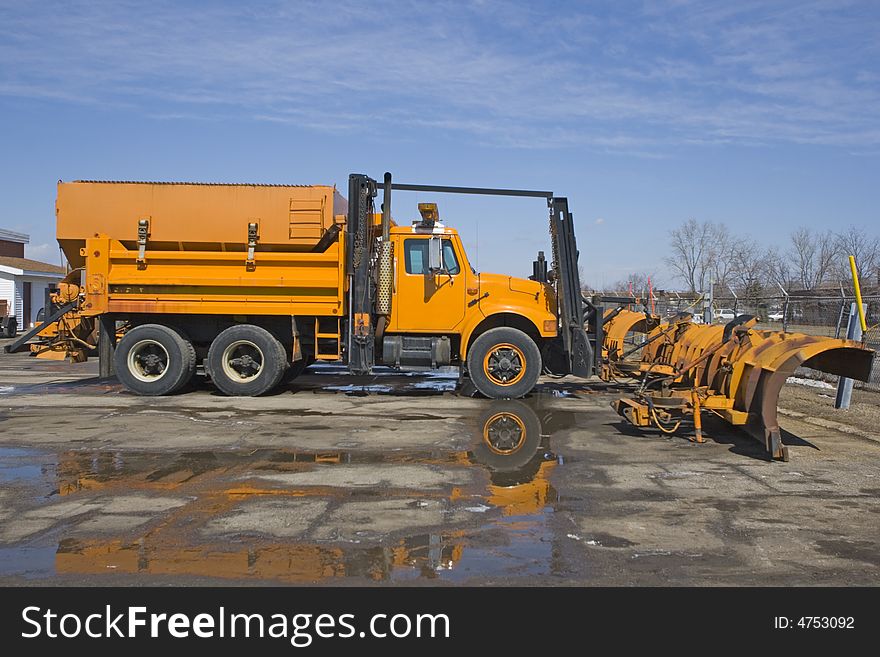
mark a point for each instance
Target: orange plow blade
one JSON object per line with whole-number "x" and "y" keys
{"x": 733, "y": 370}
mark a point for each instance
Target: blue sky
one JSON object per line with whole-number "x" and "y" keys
{"x": 764, "y": 115}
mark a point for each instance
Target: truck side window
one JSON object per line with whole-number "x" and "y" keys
{"x": 415, "y": 256}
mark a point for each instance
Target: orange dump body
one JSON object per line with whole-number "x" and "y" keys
{"x": 191, "y": 248}
{"x": 195, "y": 217}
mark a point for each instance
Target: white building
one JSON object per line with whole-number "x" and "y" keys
{"x": 23, "y": 282}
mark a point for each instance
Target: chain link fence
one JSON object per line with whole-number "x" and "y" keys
{"x": 802, "y": 312}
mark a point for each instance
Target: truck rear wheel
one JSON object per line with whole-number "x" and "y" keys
{"x": 9, "y": 326}
{"x": 246, "y": 361}
{"x": 504, "y": 362}
{"x": 152, "y": 359}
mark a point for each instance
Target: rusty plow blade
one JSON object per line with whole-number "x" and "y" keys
{"x": 618, "y": 324}
{"x": 735, "y": 371}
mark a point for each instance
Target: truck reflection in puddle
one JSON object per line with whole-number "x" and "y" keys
{"x": 294, "y": 516}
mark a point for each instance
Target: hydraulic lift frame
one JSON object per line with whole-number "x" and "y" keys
{"x": 579, "y": 353}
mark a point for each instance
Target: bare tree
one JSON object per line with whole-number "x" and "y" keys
{"x": 691, "y": 244}
{"x": 723, "y": 255}
{"x": 812, "y": 257}
{"x": 778, "y": 270}
{"x": 827, "y": 254}
{"x": 583, "y": 279}
{"x": 752, "y": 271}
{"x": 803, "y": 256}
{"x": 856, "y": 241}
{"x": 637, "y": 282}
{"x": 704, "y": 252}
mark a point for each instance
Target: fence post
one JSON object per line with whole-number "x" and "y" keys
{"x": 707, "y": 305}
{"x": 853, "y": 332}
{"x": 784, "y": 308}
{"x": 840, "y": 314}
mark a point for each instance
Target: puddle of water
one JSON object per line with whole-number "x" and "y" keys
{"x": 88, "y": 386}
{"x": 28, "y": 562}
{"x": 484, "y": 512}
{"x": 447, "y": 372}
{"x": 364, "y": 388}
{"x": 528, "y": 551}
{"x": 27, "y": 467}
{"x": 443, "y": 385}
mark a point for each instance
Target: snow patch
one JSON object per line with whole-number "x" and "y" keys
{"x": 809, "y": 382}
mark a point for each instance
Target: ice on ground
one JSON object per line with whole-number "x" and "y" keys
{"x": 813, "y": 383}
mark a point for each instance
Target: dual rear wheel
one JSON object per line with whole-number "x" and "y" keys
{"x": 243, "y": 360}
{"x": 246, "y": 361}
{"x": 152, "y": 359}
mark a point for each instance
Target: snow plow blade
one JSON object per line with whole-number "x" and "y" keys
{"x": 733, "y": 370}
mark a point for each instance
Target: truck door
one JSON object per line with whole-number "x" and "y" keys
{"x": 426, "y": 302}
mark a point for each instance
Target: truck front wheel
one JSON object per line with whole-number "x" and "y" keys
{"x": 504, "y": 362}
{"x": 152, "y": 359}
{"x": 246, "y": 361}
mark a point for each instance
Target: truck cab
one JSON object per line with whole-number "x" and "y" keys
{"x": 442, "y": 305}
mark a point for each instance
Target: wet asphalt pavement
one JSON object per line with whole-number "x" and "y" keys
{"x": 396, "y": 478}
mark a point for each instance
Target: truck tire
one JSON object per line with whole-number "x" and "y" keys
{"x": 509, "y": 436}
{"x": 10, "y": 327}
{"x": 503, "y": 363}
{"x": 246, "y": 361}
{"x": 152, "y": 359}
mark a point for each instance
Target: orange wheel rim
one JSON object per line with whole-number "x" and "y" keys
{"x": 504, "y": 364}
{"x": 504, "y": 433}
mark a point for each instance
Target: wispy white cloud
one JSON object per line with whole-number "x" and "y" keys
{"x": 43, "y": 252}
{"x": 640, "y": 79}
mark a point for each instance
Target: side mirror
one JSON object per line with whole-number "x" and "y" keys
{"x": 435, "y": 255}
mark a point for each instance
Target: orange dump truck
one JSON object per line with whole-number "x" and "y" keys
{"x": 253, "y": 283}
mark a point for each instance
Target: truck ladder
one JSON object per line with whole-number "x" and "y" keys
{"x": 327, "y": 333}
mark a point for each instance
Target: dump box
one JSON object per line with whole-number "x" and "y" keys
{"x": 195, "y": 216}
{"x": 204, "y": 248}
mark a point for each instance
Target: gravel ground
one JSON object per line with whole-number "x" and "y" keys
{"x": 818, "y": 404}
{"x": 337, "y": 480}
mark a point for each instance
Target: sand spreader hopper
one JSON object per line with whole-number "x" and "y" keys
{"x": 735, "y": 371}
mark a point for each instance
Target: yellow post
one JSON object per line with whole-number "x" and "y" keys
{"x": 855, "y": 276}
